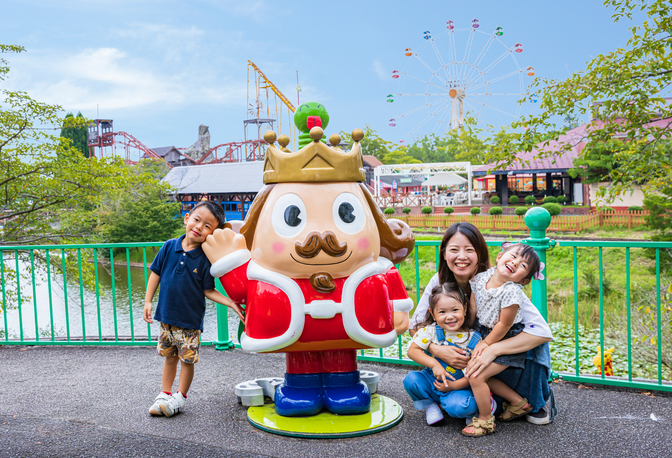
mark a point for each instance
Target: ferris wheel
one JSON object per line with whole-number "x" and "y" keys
{"x": 479, "y": 75}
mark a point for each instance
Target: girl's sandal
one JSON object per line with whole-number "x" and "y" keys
{"x": 480, "y": 427}
{"x": 513, "y": 411}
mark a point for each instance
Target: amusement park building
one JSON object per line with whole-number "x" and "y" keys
{"x": 233, "y": 184}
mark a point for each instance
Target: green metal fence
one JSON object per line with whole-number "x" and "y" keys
{"x": 75, "y": 295}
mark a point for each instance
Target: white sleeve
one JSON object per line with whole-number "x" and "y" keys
{"x": 533, "y": 321}
{"x": 423, "y": 305}
{"x": 424, "y": 337}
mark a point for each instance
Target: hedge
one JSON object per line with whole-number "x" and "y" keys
{"x": 475, "y": 210}
{"x": 553, "y": 208}
{"x": 448, "y": 210}
{"x": 427, "y": 210}
{"x": 389, "y": 211}
{"x": 495, "y": 210}
{"x": 514, "y": 200}
{"x": 520, "y": 211}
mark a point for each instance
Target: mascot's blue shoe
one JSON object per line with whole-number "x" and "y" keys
{"x": 344, "y": 394}
{"x": 299, "y": 396}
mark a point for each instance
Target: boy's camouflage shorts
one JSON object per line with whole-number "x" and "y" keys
{"x": 176, "y": 341}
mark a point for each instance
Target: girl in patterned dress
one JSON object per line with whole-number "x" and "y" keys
{"x": 498, "y": 301}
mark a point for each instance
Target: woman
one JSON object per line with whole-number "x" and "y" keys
{"x": 465, "y": 253}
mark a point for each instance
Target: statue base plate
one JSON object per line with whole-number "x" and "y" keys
{"x": 384, "y": 414}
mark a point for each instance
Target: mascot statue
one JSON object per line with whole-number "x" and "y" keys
{"x": 313, "y": 263}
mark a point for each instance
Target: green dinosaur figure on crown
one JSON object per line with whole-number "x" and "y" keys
{"x": 307, "y": 116}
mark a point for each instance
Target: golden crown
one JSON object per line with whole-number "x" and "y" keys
{"x": 315, "y": 162}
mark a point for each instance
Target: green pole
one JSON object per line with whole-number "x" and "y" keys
{"x": 538, "y": 219}
{"x": 223, "y": 341}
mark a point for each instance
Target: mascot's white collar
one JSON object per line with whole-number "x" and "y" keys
{"x": 318, "y": 309}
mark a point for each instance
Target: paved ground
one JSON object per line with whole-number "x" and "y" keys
{"x": 93, "y": 401}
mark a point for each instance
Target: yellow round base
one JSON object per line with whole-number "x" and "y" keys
{"x": 384, "y": 414}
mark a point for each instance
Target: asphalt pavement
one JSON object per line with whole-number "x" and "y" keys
{"x": 93, "y": 402}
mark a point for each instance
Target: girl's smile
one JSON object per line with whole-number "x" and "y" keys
{"x": 449, "y": 314}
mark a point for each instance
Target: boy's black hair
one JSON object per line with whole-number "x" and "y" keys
{"x": 529, "y": 255}
{"x": 215, "y": 208}
{"x": 448, "y": 289}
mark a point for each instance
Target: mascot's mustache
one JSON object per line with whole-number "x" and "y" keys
{"x": 316, "y": 242}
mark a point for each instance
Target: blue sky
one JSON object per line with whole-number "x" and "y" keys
{"x": 161, "y": 68}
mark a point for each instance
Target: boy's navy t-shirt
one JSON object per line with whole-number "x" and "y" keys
{"x": 184, "y": 277}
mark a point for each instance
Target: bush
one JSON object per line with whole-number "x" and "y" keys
{"x": 520, "y": 211}
{"x": 550, "y": 200}
{"x": 494, "y": 200}
{"x": 427, "y": 210}
{"x": 389, "y": 211}
{"x": 553, "y": 209}
{"x": 530, "y": 200}
{"x": 514, "y": 200}
{"x": 606, "y": 209}
{"x": 406, "y": 210}
{"x": 448, "y": 210}
{"x": 562, "y": 199}
{"x": 475, "y": 211}
{"x": 495, "y": 210}
{"x": 635, "y": 208}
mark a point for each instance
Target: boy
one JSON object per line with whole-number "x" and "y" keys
{"x": 183, "y": 271}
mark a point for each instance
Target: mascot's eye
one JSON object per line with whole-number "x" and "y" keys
{"x": 292, "y": 216}
{"x": 349, "y": 213}
{"x": 345, "y": 212}
{"x": 289, "y": 215}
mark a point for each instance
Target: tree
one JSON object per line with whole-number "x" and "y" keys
{"x": 660, "y": 220}
{"x": 141, "y": 213}
{"x": 623, "y": 93}
{"x": 372, "y": 144}
{"x": 45, "y": 183}
{"x": 399, "y": 156}
{"x": 76, "y": 135}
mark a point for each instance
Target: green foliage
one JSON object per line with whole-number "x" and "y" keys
{"x": 659, "y": 219}
{"x": 427, "y": 210}
{"x": 372, "y": 144}
{"x": 591, "y": 290}
{"x": 606, "y": 209}
{"x": 77, "y": 134}
{"x": 550, "y": 200}
{"x": 628, "y": 84}
{"x": 645, "y": 324}
{"x": 495, "y": 210}
{"x": 553, "y": 209}
{"x": 406, "y": 210}
{"x": 448, "y": 210}
{"x": 514, "y": 199}
{"x": 635, "y": 208}
{"x": 389, "y": 211}
{"x": 561, "y": 199}
{"x": 530, "y": 200}
{"x": 494, "y": 200}
{"x": 475, "y": 210}
{"x": 47, "y": 187}
{"x": 520, "y": 211}
{"x": 143, "y": 213}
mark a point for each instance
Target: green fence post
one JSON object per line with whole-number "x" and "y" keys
{"x": 538, "y": 219}
{"x": 223, "y": 341}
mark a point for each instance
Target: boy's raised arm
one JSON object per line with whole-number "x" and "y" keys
{"x": 152, "y": 284}
{"x": 218, "y": 297}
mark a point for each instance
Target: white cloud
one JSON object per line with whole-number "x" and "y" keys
{"x": 380, "y": 71}
{"x": 112, "y": 79}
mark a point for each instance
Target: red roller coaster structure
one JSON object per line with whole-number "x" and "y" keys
{"x": 104, "y": 142}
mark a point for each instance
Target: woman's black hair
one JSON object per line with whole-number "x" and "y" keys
{"x": 215, "y": 208}
{"x": 451, "y": 290}
{"x": 529, "y": 255}
{"x": 478, "y": 242}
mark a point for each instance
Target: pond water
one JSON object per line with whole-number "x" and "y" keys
{"x": 62, "y": 315}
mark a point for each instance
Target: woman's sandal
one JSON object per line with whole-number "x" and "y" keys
{"x": 481, "y": 428}
{"x": 513, "y": 411}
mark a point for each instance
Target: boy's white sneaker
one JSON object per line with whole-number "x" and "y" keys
{"x": 160, "y": 400}
{"x": 174, "y": 405}
{"x": 433, "y": 413}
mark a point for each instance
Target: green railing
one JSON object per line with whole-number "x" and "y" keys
{"x": 74, "y": 295}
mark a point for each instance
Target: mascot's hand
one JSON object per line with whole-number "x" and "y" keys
{"x": 222, "y": 242}
{"x": 400, "y": 322}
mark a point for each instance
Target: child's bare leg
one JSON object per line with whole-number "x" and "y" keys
{"x": 481, "y": 389}
{"x": 169, "y": 371}
{"x": 186, "y": 376}
{"x": 502, "y": 389}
